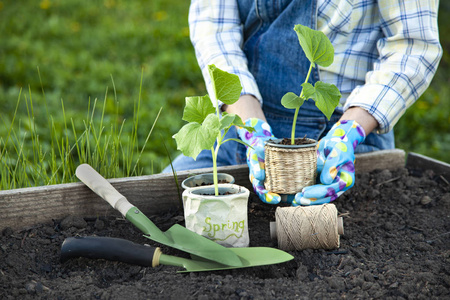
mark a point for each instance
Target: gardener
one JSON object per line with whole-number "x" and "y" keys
{"x": 386, "y": 53}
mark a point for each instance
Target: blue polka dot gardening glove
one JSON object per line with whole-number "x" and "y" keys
{"x": 256, "y": 158}
{"x": 335, "y": 164}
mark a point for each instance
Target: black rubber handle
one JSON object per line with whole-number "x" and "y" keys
{"x": 114, "y": 249}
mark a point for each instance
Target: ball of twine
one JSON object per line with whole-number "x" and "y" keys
{"x": 307, "y": 227}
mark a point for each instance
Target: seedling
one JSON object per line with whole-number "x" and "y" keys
{"x": 319, "y": 50}
{"x": 206, "y": 125}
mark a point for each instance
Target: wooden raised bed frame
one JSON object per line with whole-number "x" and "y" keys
{"x": 153, "y": 194}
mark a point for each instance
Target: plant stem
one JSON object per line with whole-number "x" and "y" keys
{"x": 294, "y": 122}
{"x": 217, "y": 109}
{"x": 216, "y": 182}
{"x": 215, "y": 151}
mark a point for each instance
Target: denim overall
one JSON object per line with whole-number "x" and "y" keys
{"x": 279, "y": 65}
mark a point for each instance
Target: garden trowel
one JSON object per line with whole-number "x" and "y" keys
{"x": 177, "y": 236}
{"x": 116, "y": 249}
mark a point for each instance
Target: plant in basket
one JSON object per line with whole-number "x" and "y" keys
{"x": 288, "y": 156}
{"x": 218, "y": 212}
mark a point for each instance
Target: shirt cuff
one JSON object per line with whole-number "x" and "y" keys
{"x": 249, "y": 87}
{"x": 381, "y": 101}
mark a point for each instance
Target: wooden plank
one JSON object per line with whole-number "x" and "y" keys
{"x": 381, "y": 160}
{"x": 153, "y": 194}
{"x": 421, "y": 162}
{"x": 25, "y": 207}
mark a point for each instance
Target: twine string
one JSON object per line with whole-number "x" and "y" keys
{"x": 310, "y": 227}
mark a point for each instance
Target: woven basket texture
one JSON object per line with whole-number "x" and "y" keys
{"x": 289, "y": 170}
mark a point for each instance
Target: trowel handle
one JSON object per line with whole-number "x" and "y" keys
{"x": 103, "y": 188}
{"x": 114, "y": 249}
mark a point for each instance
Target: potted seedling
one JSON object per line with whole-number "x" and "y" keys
{"x": 297, "y": 156}
{"x": 218, "y": 211}
{"x": 206, "y": 179}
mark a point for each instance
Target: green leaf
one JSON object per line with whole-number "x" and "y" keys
{"x": 325, "y": 95}
{"x": 238, "y": 121}
{"x": 197, "y": 109}
{"x": 227, "y": 87}
{"x": 194, "y": 137}
{"x": 232, "y": 119}
{"x": 212, "y": 123}
{"x": 226, "y": 121}
{"x": 308, "y": 90}
{"x": 292, "y": 101}
{"x": 238, "y": 141}
{"x": 316, "y": 45}
{"x": 248, "y": 128}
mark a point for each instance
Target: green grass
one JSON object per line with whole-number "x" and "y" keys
{"x": 110, "y": 145}
{"x": 79, "y": 47}
{"x": 70, "y": 80}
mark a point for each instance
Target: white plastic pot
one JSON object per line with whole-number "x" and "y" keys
{"x": 222, "y": 218}
{"x": 205, "y": 179}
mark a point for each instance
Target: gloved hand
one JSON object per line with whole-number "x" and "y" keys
{"x": 335, "y": 164}
{"x": 256, "y": 157}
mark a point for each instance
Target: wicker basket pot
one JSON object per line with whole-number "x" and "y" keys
{"x": 290, "y": 168}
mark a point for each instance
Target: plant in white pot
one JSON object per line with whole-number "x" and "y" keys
{"x": 218, "y": 212}
{"x": 206, "y": 179}
{"x": 285, "y": 157}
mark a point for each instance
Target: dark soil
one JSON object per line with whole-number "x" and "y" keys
{"x": 220, "y": 194}
{"x": 208, "y": 183}
{"x": 297, "y": 141}
{"x": 396, "y": 246}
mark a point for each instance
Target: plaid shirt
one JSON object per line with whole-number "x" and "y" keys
{"x": 383, "y": 76}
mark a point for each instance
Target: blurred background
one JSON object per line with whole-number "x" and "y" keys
{"x": 116, "y": 63}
